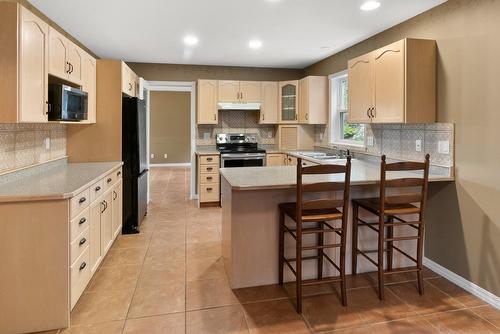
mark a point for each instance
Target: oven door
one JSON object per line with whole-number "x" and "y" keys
{"x": 243, "y": 160}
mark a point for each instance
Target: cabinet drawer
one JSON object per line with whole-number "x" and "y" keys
{"x": 78, "y": 245}
{"x": 209, "y": 159}
{"x": 79, "y": 224}
{"x": 209, "y": 178}
{"x": 209, "y": 169}
{"x": 209, "y": 193}
{"x": 110, "y": 179}
{"x": 96, "y": 190}
{"x": 80, "y": 276}
{"x": 79, "y": 202}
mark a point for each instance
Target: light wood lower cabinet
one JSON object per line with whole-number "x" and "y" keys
{"x": 117, "y": 208}
{"x": 208, "y": 179}
{"x": 107, "y": 222}
{"x": 275, "y": 159}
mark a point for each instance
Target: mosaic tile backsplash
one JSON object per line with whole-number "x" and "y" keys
{"x": 397, "y": 141}
{"x": 236, "y": 121}
{"x": 23, "y": 145}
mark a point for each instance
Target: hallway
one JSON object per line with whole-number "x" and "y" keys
{"x": 171, "y": 279}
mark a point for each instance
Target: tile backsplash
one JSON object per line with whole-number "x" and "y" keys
{"x": 397, "y": 141}
{"x": 236, "y": 121}
{"x": 23, "y": 145}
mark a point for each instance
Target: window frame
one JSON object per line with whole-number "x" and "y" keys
{"x": 336, "y": 126}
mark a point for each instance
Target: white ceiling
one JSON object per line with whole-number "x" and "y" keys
{"x": 294, "y": 33}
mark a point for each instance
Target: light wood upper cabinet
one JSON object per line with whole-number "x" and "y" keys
{"x": 58, "y": 51}
{"x": 361, "y": 88}
{"x": 229, "y": 91}
{"x": 206, "y": 98}
{"x": 239, "y": 91}
{"x": 269, "y": 102}
{"x": 129, "y": 81}
{"x": 250, "y": 91}
{"x": 313, "y": 101}
{"x": 288, "y": 101}
{"x": 75, "y": 63}
{"x": 394, "y": 84}
{"x": 89, "y": 71}
{"x": 33, "y": 66}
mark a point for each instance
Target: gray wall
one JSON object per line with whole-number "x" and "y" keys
{"x": 463, "y": 218}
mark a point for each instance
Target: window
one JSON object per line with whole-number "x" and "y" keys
{"x": 342, "y": 131}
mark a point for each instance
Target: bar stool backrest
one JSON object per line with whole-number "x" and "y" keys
{"x": 323, "y": 187}
{"x": 406, "y": 182}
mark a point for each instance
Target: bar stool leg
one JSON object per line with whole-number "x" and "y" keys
{"x": 281, "y": 246}
{"x": 298, "y": 267}
{"x": 381, "y": 238}
{"x": 321, "y": 242}
{"x": 354, "y": 250}
{"x": 343, "y": 284}
{"x": 420, "y": 248}
{"x": 390, "y": 250}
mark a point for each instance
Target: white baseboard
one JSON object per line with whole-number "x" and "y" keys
{"x": 468, "y": 286}
{"x": 183, "y": 164}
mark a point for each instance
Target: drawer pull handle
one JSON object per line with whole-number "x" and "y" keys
{"x": 115, "y": 195}
{"x": 82, "y": 221}
{"x": 209, "y": 177}
{"x": 209, "y": 168}
{"x": 209, "y": 189}
{"x": 210, "y": 159}
{"x": 83, "y": 199}
{"x": 82, "y": 241}
{"x": 109, "y": 180}
{"x": 97, "y": 188}
{"x": 119, "y": 173}
{"x": 83, "y": 265}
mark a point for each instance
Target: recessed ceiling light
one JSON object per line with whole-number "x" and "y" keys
{"x": 190, "y": 40}
{"x": 370, "y": 5}
{"x": 255, "y": 44}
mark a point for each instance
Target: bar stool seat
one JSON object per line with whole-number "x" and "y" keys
{"x": 373, "y": 205}
{"x": 313, "y": 215}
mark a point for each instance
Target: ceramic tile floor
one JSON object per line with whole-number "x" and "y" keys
{"x": 170, "y": 279}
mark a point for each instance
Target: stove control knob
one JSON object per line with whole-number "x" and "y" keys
{"x": 253, "y": 139}
{"x": 247, "y": 139}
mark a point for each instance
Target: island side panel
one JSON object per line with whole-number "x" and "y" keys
{"x": 34, "y": 253}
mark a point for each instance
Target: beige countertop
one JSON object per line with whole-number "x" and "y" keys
{"x": 283, "y": 177}
{"x": 55, "y": 183}
{"x": 206, "y": 150}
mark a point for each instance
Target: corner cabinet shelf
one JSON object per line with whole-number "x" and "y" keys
{"x": 394, "y": 84}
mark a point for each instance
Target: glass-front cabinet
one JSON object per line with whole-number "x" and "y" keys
{"x": 289, "y": 101}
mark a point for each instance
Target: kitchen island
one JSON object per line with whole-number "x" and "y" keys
{"x": 250, "y": 220}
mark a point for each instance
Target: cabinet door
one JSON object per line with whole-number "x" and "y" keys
{"x": 229, "y": 91}
{"x": 75, "y": 63}
{"x": 107, "y": 222}
{"x": 58, "y": 49}
{"x": 250, "y": 91}
{"x": 303, "y": 110}
{"x": 89, "y": 85}
{"x": 95, "y": 234}
{"x": 117, "y": 209}
{"x": 269, "y": 103}
{"x": 127, "y": 86}
{"x": 275, "y": 160}
{"x": 288, "y": 137}
{"x": 33, "y": 67}
{"x": 361, "y": 88}
{"x": 207, "y": 102}
{"x": 288, "y": 101}
{"x": 313, "y": 102}
{"x": 390, "y": 84}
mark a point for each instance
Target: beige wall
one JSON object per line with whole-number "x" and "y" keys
{"x": 170, "y": 121}
{"x": 463, "y": 220}
{"x": 172, "y": 72}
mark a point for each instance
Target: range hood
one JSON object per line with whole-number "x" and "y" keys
{"x": 238, "y": 106}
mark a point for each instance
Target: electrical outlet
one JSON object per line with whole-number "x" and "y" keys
{"x": 165, "y": 156}
{"x": 321, "y": 136}
{"x": 47, "y": 143}
{"x": 418, "y": 145}
{"x": 269, "y": 134}
{"x": 444, "y": 147}
{"x": 206, "y": 135}
{"x": 152, "y": 155}
{"x": 369, "y": 141}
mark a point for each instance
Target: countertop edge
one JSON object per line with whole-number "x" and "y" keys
{"x": 57, "y": 197}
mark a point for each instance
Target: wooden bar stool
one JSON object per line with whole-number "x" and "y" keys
{"x": 319, "y": 212}
{"x": 388, "y": 209}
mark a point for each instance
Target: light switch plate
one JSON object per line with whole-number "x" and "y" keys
{"x": 418, "y": 145}
{"x": 47, "y": 143}
{"x": 444, "y": 147}
{"x": 321, "y": 136}
{"x": 152, "y": 155}
{"x": 369, "y": 141}
{"x": 165, "y": 156}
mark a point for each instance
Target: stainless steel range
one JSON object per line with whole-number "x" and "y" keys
{"x": 240, "y": 150}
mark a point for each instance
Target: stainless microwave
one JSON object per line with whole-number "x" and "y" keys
{"x": 67, "y": 103}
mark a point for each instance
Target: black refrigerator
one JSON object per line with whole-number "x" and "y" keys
{"x": 135, "y": 166}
